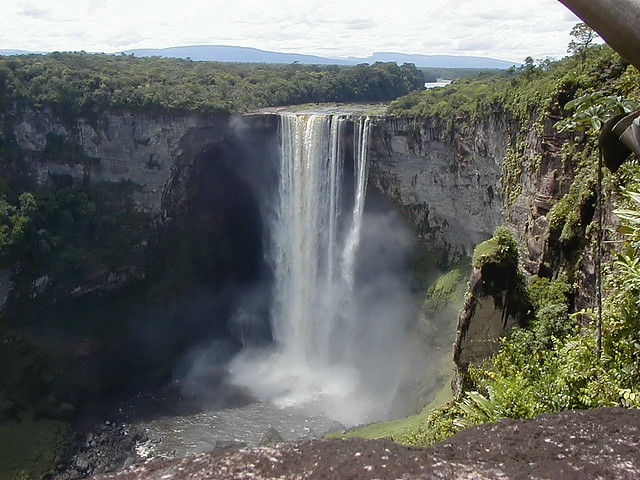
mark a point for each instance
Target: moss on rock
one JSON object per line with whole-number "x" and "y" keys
{"x": 501, "y": 250}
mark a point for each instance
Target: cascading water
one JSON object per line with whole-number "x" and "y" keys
{"x": 315, "y": 238}
{"x": 314, "y": 248}
{"x": 339, "y": 337}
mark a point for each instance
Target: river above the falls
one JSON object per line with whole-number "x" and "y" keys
{"x": 378, "y": 108}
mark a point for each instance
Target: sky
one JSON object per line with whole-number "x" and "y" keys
{"x": 504, "y": 29}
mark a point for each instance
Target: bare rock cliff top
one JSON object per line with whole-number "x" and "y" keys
{"x": 600, "y": 443}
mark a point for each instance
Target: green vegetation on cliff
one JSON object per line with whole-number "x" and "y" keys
{"x": 554, "y": 362}
{"x": 66, "y": 229}
{"x": 524, "y": 92}
{"x": 76, "y": 84}
{"x": 501, "y": 250}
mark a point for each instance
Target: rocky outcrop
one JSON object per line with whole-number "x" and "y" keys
{"x": 495, "y": 302}
{"x": 108, "y": 447}
{"x": 491, "y": 308}
{"x": 543, "y": 177}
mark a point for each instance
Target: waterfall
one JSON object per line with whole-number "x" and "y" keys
{"x": 314, "y": 248}
{"x": 324, "y": 345}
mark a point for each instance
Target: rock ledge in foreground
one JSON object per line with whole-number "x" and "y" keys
{"x": 599, "y": 443}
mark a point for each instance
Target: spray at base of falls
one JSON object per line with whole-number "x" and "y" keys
{"x": 323, "y": 344}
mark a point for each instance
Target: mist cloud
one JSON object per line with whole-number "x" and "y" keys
{"x": 371, "y": 343}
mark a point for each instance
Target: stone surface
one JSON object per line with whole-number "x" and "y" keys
{"x": 492, "y": 307}
{"x": 107, "y": 447}
{"x": 600, "y": 443}
{"x": 137, "y": 147}
{"x": 446, "y": 182}
{"x": 271, "y": 437}
{"x": 140, "y": 147}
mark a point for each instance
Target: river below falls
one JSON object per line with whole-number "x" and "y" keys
{"x": 172, "y": 436}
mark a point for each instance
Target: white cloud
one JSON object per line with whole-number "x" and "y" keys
{"x": 505, "y": 29}
{"x": 34, "y": 11}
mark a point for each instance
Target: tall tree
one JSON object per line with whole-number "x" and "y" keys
{"x": 583, "y": 37}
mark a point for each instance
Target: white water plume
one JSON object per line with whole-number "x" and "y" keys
{"x": 323, "y": 348}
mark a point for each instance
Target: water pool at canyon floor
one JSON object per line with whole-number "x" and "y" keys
{"x": 181, "y": 435}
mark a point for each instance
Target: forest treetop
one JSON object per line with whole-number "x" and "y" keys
{"x": 521, "y": 90}
{"x": 73, "y": 84}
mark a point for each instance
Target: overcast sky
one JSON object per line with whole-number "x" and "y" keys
{"x": 504, "y": 29}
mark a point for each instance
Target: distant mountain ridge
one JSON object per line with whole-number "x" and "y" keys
{"x": 225, "y": 53}
{"x": 18, "y": 52}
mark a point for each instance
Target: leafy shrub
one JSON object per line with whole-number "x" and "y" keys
{"x": 569, "y": 216}
{"x": 440, "y": 424}
{"x": 543, "y": 291}
{"x": 592, "y": 110}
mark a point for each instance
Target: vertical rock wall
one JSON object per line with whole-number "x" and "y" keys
{"x": 137, "y": 147}
{"x": 445, "y": 179}
{"x": 448, "y": 178}
{"x": 161, "y": 155}
{"x": 457, "y": 182}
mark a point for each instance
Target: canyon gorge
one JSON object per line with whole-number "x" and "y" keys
{"x": 207, "y": 188}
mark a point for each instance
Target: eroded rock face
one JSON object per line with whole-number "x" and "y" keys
{"x": 547, "y": 173}
{"x": 141, "y": 147}
{"x": 138, "y": 147}
{"x": 446, "y": 181}
{"x": 184, "y": 169}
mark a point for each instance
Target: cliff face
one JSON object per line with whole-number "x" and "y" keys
{"x": 136, "y": 147}
{"x": 197, "y": 172}
{"x": 548, "y": 168}
{"x": 184, "y": 171}
{"x": 445, "y": 180}
{"x": 141, "y": 147}
{"x": 198, "y": 182}
{"x": 458, "y": 182}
